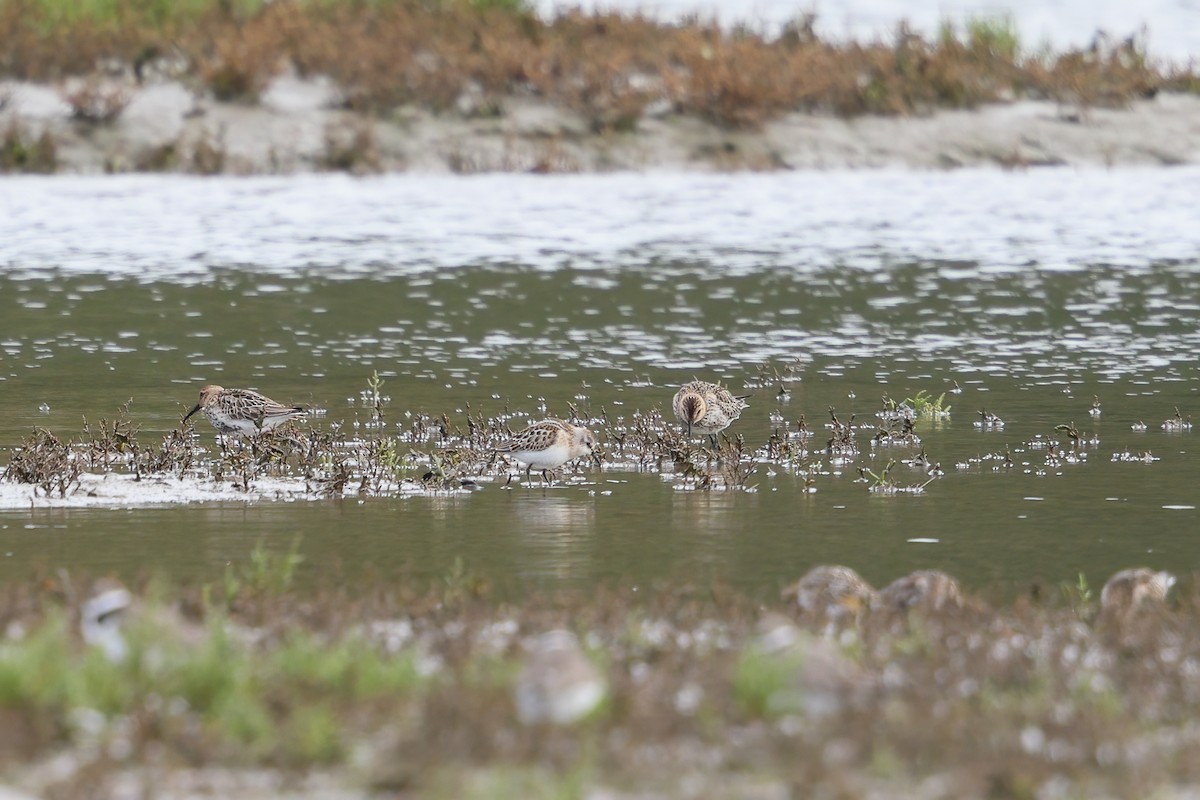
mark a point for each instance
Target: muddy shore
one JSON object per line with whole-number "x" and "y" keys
{"x": 300, "y": 126}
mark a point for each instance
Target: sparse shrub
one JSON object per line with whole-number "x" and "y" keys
{"x": 18, "y": 153}
{"x": 608, "y": 67}
{"x": 207, "y": 155}
{"x": 44, "y": 461}
{"x": 352, "y": 150}
{"x": 1107, "y": 74}
{"x": 993, "y": 36}
{"x": 163, "y": 158}
{"x": 97, "y": 101}
{"x": 522, "y": 7}
{"x": 115, "y": 441}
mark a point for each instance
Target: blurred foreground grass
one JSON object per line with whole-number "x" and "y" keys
{"x": 416, "y": 690}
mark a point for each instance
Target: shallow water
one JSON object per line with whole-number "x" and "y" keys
{"x": 1034, "y": 291}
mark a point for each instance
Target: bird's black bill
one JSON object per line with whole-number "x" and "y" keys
{"x": 187, "y": 416}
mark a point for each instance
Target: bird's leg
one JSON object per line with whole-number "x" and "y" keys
{"x": 712, "y": 438}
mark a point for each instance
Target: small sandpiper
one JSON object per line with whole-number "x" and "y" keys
{"x": 925, "y": 590}
{"x": 549, "y": 444}
{"x": 707, "y": 408}
{"x": 833, "y": 594}
{"x": 1129, "y": 589}
{"x": 242, "y": 411}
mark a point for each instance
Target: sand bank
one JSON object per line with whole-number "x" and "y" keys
{"x": 298, "y": 126}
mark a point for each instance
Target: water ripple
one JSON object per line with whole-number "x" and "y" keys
{"x": 172, "y": 228}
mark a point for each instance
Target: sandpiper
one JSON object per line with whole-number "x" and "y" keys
{"x": 1129, "y": 600}
{"x": 924, "y": 590}
{"x": 242, "y": 411}
{"x": 558, "y": 684}
{"x": 707, "y": 408}
{"x": 548, "y": 445}
{"x": 1130, "y": 589}
{"x": 833, "y": 594}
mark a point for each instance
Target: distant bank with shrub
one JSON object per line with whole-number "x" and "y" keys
{"x": 461, "y": 85}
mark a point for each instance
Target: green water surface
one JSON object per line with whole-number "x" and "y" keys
{"x": 1031, "y": 347}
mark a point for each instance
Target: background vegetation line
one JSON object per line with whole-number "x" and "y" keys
{"x": 613, "y": 68}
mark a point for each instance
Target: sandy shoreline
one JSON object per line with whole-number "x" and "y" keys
{"x": 298, "y": 127}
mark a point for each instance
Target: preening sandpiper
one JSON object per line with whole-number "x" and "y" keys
{"x": 242, "y": 411}
{"x": 549, "y": 444}
{"x": 707, "y": 408}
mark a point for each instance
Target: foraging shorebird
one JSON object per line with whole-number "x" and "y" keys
{"x": 924, "y": 590}
{"x": 549, "y": 444}
{"x": 558, "y": 683}
{"x": 242, "y": 411}
{"x": 1130, "y": 589}
{"x": 707, "y": 408}
{"x": 832, "y": 594}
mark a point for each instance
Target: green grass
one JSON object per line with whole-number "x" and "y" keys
{"x": 285, "y": 704}
{"x": 169, "y": 13}
{"x": 1078, "y": 596}
{"x": 278, "y": 678}
{"x": 272, "y": 572}
{"x": 991, "y": 35}
{"x": 156, "y": 14}
{"x": 927, "y": 406}
{"x": 765, "y": 684}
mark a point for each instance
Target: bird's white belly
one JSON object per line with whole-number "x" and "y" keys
{"x": 228, "y": 424}
{"x": 551, "y": 457}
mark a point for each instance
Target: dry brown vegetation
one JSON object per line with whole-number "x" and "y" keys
{"x": 609, "y": 67}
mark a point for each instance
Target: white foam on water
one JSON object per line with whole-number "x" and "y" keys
{"x": 117, "y": 490}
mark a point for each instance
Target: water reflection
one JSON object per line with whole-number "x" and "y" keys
{"x": 554, "y": 533}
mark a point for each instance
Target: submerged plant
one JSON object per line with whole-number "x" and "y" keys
{"x": 1178, "y": 422}
{"x": 885, "y": 483}
{"x": 114, "y": 440}
{"x": 841, "y": 442}
{"x": 925, "y": 405}
{"x": 727, "y": 468}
